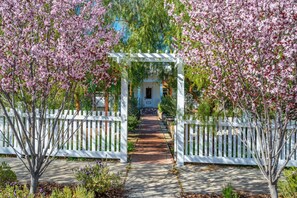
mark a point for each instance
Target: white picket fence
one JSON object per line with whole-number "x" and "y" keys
{"x": 95, "y": 135}
{"x": 221, "y": 142}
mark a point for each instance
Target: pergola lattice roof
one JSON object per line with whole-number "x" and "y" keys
{"x": 146, "y": 57}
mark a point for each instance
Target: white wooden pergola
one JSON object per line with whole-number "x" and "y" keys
{"x": 127, "y": 58}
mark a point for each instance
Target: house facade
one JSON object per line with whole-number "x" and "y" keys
{"x": 149, "y": 93}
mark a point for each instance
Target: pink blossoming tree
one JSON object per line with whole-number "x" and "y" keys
{"x": 250, "y": 47}
{"x": 47, "y": 47}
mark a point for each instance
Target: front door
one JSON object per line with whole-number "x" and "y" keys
{"x": 148, "y": 100}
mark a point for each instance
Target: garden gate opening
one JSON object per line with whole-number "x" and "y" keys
{"x": 126, "y": 59}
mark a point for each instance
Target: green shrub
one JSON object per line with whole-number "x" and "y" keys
{"x": 65, "y": 193}
{"x": 78, "y": 192}
{"x": 168, "y": 106}
{"x": 98, "y": 178}
{"x": 131, "y": 146}
{"x": 288, "y": 185}
{"x": 82, "y": 192}
{"x": 15, "y": 191}
{"x": 7, "y": 176}
{"x": 228, "y": 192}
{"x": 204, "y": 109}
{"x": 133, "y": 122}
{"x": 132, "y": 107}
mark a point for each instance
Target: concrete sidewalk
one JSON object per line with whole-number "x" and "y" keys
{"x": 213, "y": 178}
{"x": 60, "y": 171}
{"x": 152, "y": 180}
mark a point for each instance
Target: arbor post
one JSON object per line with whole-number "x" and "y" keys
{"x": 124, "y": 113}
{"x": 161, "y": 90}
{"x": 180, "y": 112}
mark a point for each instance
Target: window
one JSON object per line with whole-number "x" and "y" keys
{"x": 148, "y": 93}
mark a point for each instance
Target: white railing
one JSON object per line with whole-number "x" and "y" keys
{"x": 90, "y": 134}
{"x": 225, "y": 142}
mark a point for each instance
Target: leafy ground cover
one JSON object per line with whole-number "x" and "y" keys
{"x": 54, "y": 190}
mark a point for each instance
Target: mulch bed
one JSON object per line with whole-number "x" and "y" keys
{"x": 46, "y": 188}
{"x": 241, "y": 195}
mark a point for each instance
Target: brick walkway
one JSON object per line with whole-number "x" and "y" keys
{"x": 150, "y": 174}
{"x": 151, "y": 147}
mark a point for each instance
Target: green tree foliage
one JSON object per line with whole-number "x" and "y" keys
{"x": 146, "y": 24}
{"x": 149, "y": 26}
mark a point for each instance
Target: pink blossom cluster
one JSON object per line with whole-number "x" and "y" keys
{"x": 249, "y": 46}
{"x": 46, "y": 43}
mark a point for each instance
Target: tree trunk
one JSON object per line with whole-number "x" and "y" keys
{"x": 273, "y": 190}
{"x": 170, "y": 91}
{"x": 34, "y": 184}
{"x": 77, "y": 101}
{"x": 131, "y": 90}
{"x": 106, "y": 103}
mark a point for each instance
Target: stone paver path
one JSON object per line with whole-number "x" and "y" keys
{"x": 150, "y": 174}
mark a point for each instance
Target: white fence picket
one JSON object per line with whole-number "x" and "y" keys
{"x": 239, "y": 143}
{"x": 200, "y": 140}
{"x": 118, "y": 129}
{"x": 108, "y": 141}
{"x": 210, "y": 139}
{"x": 93, "y": 132}
{"x": 84, "y": 133}
{"x": 220, "y": 137}
{"x": 191, "y": 139}
{"x": 228, "y": 142}
{"x": 215, "y": 140}
{"x": 249, "y": 142}
{"x": 205, "y": 139}
{"x": 196, "y": 135}
{"x": 77, "y": 134}
{"x": 187, "y": 140}
{"x": 225, "y": 132}
{"x": 102, "y": 135}
{"x": 112, "y": 133}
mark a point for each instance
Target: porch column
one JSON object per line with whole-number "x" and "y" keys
{"x": 124, "y": 114}
{"x": 161, "y": 90}
{"x": 180, "y": 112}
